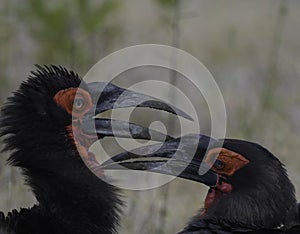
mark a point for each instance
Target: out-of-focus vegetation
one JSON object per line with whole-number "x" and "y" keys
{"x": 58, "y": 29}
{"x": 251, "y": 48}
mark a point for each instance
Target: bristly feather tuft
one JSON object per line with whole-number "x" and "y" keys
{"x": 71, "y": 199}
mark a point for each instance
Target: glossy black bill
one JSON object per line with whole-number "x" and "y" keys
{"x": 182, "y": 157}
{"x": 122, "y": 129}
{"x": 107, "y": 96}
{"x": 112, "y": 97}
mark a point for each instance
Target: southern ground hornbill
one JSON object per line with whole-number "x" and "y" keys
{"x": 49, "y": 129}
{"x": 42, "y": 125}
{"x": 250, "y": 191}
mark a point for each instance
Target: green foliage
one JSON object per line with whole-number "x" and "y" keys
{"x": 93, "y": 18}
{"x": 167, "y": 10}
{"x": 6, "y": 32}
{"x": 62, "y": 29}
{"x": 167, "y": 3}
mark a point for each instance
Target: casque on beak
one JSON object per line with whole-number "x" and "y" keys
{"x": 107, "y": 96}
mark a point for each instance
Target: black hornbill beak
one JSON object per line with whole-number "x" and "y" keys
{"x": 107, "y": 96}
{"x": 113, "y": 97}
{"x": 181, "y": 157}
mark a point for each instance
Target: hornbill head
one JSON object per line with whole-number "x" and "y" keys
{"x": 49, "y": 124}
{"x": 54, "y": 107}
{"x": 249, "y": 186}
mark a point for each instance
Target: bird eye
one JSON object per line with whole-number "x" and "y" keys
{"x": 219, "y": 164}
{"x": 78, "y": 104}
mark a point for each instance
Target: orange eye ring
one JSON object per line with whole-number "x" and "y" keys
{"x": 224, "y": 161}
{"x": 75, "y": 101}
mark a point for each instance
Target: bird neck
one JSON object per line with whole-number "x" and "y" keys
{"x": 265, "y": 205}
{"x": 75, "y": 196}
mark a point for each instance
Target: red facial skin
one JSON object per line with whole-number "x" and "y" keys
{"x": 232, "y": 162}
{"x": 68, "y": 99}
{"x": 215, "y": 193}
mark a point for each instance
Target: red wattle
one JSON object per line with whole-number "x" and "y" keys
{"x": 215, "y": 193}
{"x": 224, "y": 187}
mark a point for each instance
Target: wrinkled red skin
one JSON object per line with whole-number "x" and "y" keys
{"x": 233, "y": 162}
{"x": 81, "y": 141}
{"x": 214, "y": 193}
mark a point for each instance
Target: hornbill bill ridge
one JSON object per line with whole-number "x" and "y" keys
{"x": 250, "y": 191}
{"x": 49, "y": 124}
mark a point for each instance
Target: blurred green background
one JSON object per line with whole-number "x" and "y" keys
{"x": 251, "y": 47}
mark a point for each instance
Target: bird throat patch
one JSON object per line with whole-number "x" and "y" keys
{"x": 215, "y": 193}
{"x": 224, "y": 162}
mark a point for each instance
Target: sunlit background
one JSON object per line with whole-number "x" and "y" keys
{"x": 251, "y": 48}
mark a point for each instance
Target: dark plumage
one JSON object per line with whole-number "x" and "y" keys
{"x": 49, "y": 130}
{"x": 71, "y": 199}
{"x": 262, "y": 199}
{"x": 250, "y": 191}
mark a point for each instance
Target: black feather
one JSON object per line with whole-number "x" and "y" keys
{"x": 71, "y": 199}
{"x": 262, "y": 200}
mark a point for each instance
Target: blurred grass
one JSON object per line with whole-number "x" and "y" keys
{"x": 251, "y": 47}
